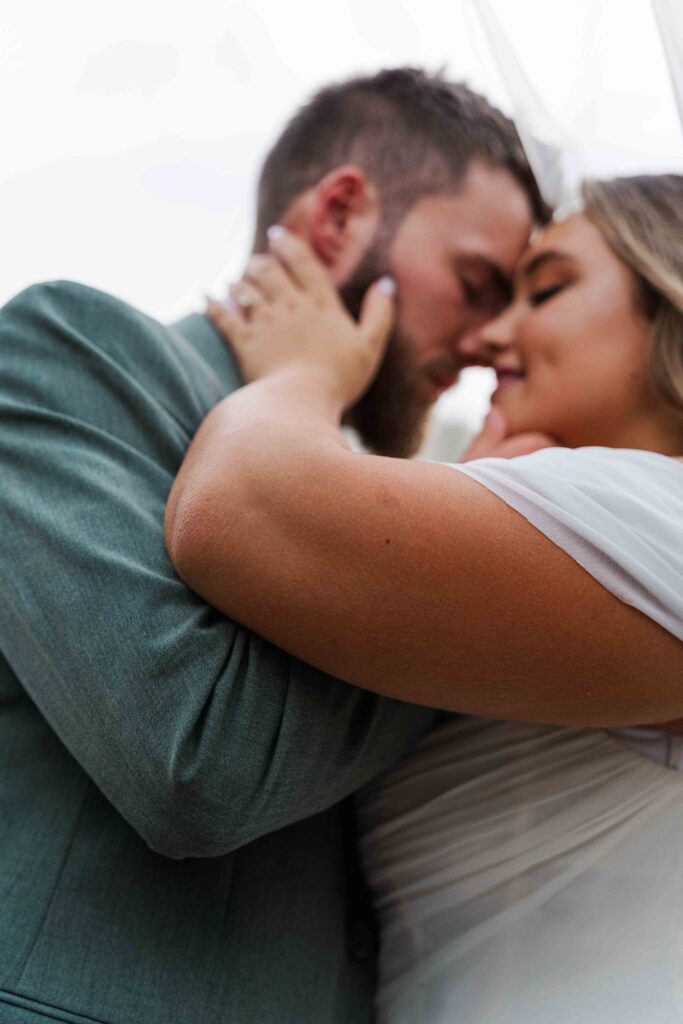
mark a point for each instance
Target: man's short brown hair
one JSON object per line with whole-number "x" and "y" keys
{"x": 413, "y": 134}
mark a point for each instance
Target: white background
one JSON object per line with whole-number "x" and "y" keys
{"x": 132, "y": 131}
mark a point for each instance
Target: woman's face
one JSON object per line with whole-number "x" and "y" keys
{"x": 571, "y": 351}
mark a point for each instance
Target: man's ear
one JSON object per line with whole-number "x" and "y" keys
{"x": 343, "y": 217}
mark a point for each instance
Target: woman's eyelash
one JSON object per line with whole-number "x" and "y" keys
{"x": 543, "y": 294}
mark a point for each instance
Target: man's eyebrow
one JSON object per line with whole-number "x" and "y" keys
{"x": 540, "y": 259}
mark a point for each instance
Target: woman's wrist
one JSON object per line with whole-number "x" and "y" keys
{"x": 310, "y": 387}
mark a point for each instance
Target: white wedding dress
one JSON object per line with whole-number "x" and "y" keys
{"x": 533, "y": 874}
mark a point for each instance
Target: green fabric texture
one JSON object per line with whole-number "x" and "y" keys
{"x": 172, "y": 844}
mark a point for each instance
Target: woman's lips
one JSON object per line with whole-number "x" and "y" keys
{"x": 506, "y": 379}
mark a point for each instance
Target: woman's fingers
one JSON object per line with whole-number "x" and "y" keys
{"x": 299, "y": 260}
{"x": 494, "y": 442}
{"x": 489, "y": 439}
{"x": 268, "y": 274}
{"x": 525, "y": 444}
{"x": 377, "y": 317}
{"x": 227, "y": 322}
{"x": 246, "y": 298}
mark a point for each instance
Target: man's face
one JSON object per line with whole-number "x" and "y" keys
{"x": 451, "y": 256}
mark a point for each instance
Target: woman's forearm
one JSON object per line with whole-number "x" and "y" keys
{"x": 405, "y": 578}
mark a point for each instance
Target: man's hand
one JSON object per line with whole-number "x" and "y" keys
{"x": 493, "y": 441}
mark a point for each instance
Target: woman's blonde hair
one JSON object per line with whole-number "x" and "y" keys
{"x": 641, "y": 218}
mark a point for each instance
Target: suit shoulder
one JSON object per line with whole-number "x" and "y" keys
{"x": 99, "y": 347}
{"x": 74, "y": 317}
{"x": 68, "y": 300}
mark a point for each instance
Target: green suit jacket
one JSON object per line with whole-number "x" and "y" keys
{"x": 172, "y": 845}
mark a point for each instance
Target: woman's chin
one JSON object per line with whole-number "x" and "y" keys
{"x": 520, "y": 416}
{"x": 508, "y": 402}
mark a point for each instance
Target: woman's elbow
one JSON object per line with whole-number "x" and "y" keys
{"x": 205, "y": 541}
{"x": 185, "y": 535}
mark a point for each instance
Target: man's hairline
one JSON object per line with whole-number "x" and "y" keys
{"x": 456, "y": 186}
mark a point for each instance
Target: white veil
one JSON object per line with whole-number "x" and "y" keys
{"x": 669, "y": 15}
{"x": 619, "y": 112}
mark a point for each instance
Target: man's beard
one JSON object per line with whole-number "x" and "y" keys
{"x": 392, "y": 414}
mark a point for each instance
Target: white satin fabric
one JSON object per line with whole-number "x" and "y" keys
{"x": 526, "y": 874}
{"x": 618, "y": 513}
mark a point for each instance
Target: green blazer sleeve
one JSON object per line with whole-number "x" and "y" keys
{"x": 200, "y": 733}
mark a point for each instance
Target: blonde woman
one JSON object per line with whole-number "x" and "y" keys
{"x": 521, "y": 871}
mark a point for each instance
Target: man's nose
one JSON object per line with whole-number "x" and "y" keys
{"x": 480, "y": 344}
{"x": 469, "y": 349}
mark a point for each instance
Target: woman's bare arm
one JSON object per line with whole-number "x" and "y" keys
{"x": 405, "y": 578}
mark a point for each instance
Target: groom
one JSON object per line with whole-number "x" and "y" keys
{"x": 174, "y": 845}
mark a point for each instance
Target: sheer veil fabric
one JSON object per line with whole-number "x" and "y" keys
{"x": 604, "y": 120}
{"x": 527, "y": 873}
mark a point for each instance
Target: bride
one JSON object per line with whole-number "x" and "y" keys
{"x": 525, "y": 860}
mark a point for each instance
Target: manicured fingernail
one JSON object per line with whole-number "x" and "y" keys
{"x": 226, "y": 303}
{"x": 387, "y": 285}
{"x": 275, "y": 232}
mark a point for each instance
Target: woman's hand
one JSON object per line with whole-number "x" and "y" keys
{"x": 494, "y": 442}
{"x": 285, "y": 314}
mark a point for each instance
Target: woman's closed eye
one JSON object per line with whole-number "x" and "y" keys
{"x": 541, "y": 295}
